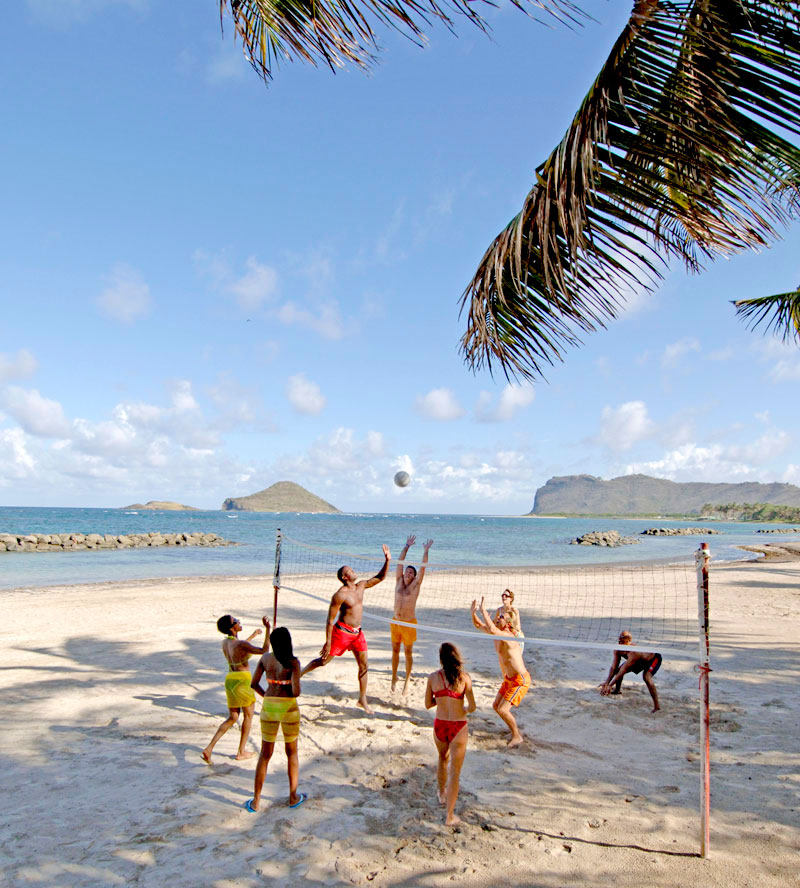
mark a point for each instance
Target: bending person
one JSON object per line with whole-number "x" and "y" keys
{"x": 516, "y": 678}
{"x": 343, "y": 628}
{"x": 238, "y": 692}
{"x": 406, "y": 592}
{"x": 446, "y": 690}
{"x": 281, "y": 670}
{"x": 632, "y": 661}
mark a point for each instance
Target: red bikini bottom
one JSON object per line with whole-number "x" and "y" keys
{"x": 446, "y": 730}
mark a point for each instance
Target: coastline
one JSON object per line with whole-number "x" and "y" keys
{"x": 125, "y": 679}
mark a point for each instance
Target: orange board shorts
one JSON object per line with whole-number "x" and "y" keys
{"x": 404, "y": 634}
{"x": 514, "y": 689}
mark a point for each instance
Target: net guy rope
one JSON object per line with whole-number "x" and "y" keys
{"x": 664, "y": 606}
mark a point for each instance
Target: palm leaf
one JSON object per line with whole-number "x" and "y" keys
{"x": 673, "y": 153}
{"x": 779, "y": 313}
{"x": 338, "y": 32}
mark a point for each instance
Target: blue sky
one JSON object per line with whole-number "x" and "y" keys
{"x": 210, "y": 285}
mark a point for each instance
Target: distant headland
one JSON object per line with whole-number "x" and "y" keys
{"x": 159, "y": 506}
{"x": 641, "y": 495}
{"x": 284, "y": 496}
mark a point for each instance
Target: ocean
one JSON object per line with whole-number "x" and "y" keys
{"x": 459, "y": 539}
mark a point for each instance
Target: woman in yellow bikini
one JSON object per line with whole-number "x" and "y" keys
{"x": 446, "y": 690}
{"x": 279, "y": 709}
{"x": 237, "y": 683}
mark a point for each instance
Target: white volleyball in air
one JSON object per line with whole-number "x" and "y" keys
{"x": 402, "y": 479}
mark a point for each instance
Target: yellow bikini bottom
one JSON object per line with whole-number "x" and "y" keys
{"x": 282, "y": 711}
{"x": 238, "y": 690}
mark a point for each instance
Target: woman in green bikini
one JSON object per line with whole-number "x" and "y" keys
{"x": 279, "y": 709}
{"x": 239, "y": 694}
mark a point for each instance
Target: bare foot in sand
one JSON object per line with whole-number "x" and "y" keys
{"x": 441, "y": 796}
{"x": 452, "y": 821}
{"x": 515, "y": 741}
{"x": 242, "y": 756}
{"x": 365, "y": 706}
{"x": 206, "y": 756}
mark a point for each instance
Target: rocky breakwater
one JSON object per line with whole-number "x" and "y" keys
{"x": 610, "y": 538}
{"x": 678, "y": 531}
{"x": 62, "y": 542}
{"x": 778, "y": 530}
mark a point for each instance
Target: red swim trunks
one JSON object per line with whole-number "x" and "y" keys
{"x": 446, "y": 730}
{"x": 345, "y": 638}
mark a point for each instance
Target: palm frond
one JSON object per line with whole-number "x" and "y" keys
{"x": 779, "y": 313}
{"x": 338, "y": 32}
{"x": 673, "y": 153}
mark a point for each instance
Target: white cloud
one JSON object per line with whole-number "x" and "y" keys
{"x": 15, "y": 461}
{"x": 439, "y": 404}
{"x": 35, "y": 413}
{"x": 255, "y": 287}
{"x": 304, "y": 395}
{"x": 675, "y": 353}
{"x": 624, "y": 426}
{"x": 515, "y": 396}
{"x": 783, "y": 358}
{"x": 17, "y": 366}
{"x": 325, "y": 320}
{"x": 127, "y": 297}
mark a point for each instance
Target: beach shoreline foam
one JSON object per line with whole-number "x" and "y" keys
{"x": 110, "y": 690}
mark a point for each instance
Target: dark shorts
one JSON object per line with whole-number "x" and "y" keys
{"x": 345, "y": 638}
{"x": 649, "y": 666}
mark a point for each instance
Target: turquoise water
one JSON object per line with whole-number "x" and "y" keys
{"x": 459, "y": 539}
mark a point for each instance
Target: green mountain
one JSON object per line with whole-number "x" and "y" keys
{"x": 643, "y": 495}
{"x": 284, "y": 496}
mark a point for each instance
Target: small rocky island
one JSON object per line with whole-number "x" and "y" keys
{"x": 159, "y": 506}
{"x": 678, "y": 531}
{"x": 611, "y": 538}
{"x": 284, "y": 496}
{"x": 63, "y": 542}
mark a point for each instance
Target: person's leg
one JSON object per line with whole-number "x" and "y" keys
{"x": 395, "y": 661}
{"x": 261, "y": 772}
{"x": 651, "y": 686}
{"x": 314, "y": 664}
{"x": 503, "y": 708}
{"x": 363, "y": 668}
{"x": 409, "y": 664}
{"x": 230, "y": 721}
{"x": 247, "y": 720}
{"x": 441, "y": 768}
{"x": 293, "y": 767}
{"x": 458, "y": 749}
{"x": 617, "y": 687}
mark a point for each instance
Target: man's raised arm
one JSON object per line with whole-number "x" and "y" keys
{"x": 426, "y": 547}
{"x": 381, "y": 574}
{"x": 403, "y": 552}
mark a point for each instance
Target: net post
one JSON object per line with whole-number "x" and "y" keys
{"x": 702, "y": 557}
{"x": 276, "y": 577}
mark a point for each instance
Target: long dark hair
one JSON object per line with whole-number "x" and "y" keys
{"x": 452, "y": 664}
{"x": 281, "y": 641}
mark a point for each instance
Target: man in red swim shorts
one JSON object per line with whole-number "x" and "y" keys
{"x": 343, "y": 629}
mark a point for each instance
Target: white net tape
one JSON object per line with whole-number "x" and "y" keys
{"x": 584, "y": 606}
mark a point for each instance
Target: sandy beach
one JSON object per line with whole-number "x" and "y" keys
{"x": 110, "y": 691}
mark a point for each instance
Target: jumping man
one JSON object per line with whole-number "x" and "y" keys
{"x": 406, "y": 591}
{"x": 516, "y": 678}
{"x": 343, "y": 629}
{"x": 636, "y": 662}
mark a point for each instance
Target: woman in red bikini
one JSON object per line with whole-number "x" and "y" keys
{"x": 446, "y": 690}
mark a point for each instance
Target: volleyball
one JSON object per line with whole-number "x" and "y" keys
{"x": 402, "y": 479}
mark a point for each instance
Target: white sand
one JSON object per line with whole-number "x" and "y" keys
{"x": 110, "y": 691}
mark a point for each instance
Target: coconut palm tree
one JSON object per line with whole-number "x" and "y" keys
{"x": 681, "y": 149}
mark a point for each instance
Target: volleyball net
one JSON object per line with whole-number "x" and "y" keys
{"x": 586, "y": 606}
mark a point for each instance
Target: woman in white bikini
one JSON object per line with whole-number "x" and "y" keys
{"x": 446, "y": 690}
{"x": 279, "y": 709}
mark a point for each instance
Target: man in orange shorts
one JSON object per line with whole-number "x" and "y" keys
{"x": 516, "y": 678}
{"x": 406, "y": 592}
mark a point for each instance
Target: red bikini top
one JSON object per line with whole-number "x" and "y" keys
{"x": 446, "y": 692}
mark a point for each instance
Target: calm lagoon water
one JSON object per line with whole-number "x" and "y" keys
{"x": 459, "y": 539}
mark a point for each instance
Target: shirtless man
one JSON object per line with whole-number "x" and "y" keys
{"x": 406, "y": 591}
{"x": 343, "y": 629}
{"x": 516, "y": 678}
{"x": 634, "y": 661}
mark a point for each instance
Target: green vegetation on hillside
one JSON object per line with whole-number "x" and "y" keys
{"x": 751, "y": 512}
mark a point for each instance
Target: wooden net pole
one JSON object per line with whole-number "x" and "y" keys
{"x": 702, "y": 557}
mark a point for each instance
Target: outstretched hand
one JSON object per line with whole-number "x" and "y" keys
{"x": 265, "y": 621}
{"x": 410, "y": 541}
{"x": 386, "y": 554}
{"x": 427, "y": 544}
